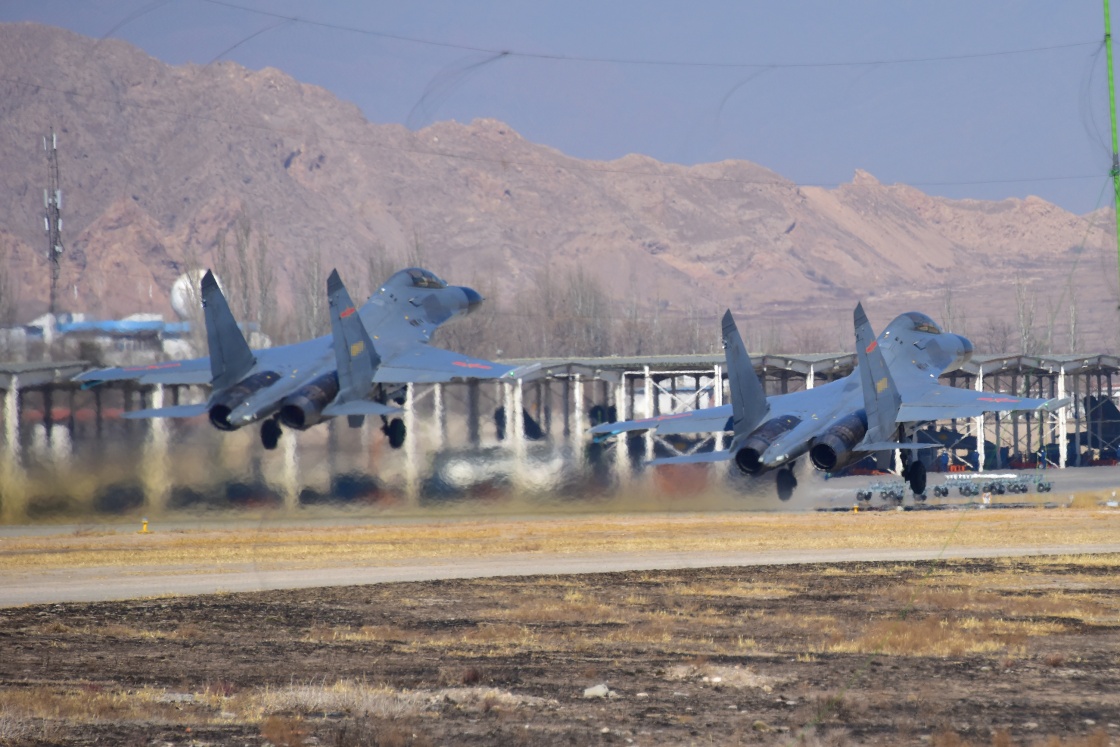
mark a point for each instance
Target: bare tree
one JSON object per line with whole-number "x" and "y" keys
{"x": 265, "y": 275}
{"x": 1074, "y": 340}
{"x": 8, "y": 297}
{"x": 1025, "y": 299}
{"x": 948, "y": 318}
{"x": 311, "y": 300}
{"x": 996, "y": 337}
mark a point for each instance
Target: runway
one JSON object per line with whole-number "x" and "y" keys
{"x": 239, "y": 553}
{"x": 101, "y": 584}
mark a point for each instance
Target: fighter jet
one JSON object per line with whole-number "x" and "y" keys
{"x": 877, "y": 409}
{"x": 357, "y": 370}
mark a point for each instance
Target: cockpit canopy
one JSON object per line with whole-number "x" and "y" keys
{"x": 922, "y": 323}
{"x": 416, "y": 277}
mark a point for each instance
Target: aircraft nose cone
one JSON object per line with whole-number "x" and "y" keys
{"x": 474, "y": 298}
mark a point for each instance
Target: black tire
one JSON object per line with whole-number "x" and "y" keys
{"x": 916, "y": 476}
{"x": 270, "y": 434}
{"x": 786, "y": 482}
{"x": 395, "y": 430}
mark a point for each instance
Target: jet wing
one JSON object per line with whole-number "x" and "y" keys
{"x": 945, "y": 402}
{"x": 702, "y": 457}
{"x": 707, "y": 420}
{"x": 194, "y": 371}
{"x": 421, "y": 364}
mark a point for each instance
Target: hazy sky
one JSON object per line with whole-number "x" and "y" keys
{"x": 960, "y": 98}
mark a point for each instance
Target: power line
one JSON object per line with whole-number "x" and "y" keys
{"x": 647, "y": 61}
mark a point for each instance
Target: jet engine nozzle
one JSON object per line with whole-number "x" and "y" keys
{"x": 474, "y": 298}
{"x": 304, "y": 408}
{"x": 225, "y": 403}
{"x": 964, "y": 351}
{"x": 749, "y": 457}
{"x": 834, "y": 448}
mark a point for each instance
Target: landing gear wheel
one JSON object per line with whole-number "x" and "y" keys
{"x": 270, "y": 434}
{"x": 786, "y": 483}
{"x": 396, "y": 432}
{"x": 916, "y": 476}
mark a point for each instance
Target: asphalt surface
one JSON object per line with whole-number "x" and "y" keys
{"x": 99, "y": 584}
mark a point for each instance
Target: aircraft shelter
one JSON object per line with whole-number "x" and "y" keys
{"x": 49, "y": 419}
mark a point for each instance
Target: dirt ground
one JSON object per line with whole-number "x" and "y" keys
{"x": 1001, "y": 652}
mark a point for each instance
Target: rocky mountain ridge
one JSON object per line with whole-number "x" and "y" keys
{"x": 164, "y": 168}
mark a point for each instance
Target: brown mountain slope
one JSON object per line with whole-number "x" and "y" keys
{"x": 162, "y": 164}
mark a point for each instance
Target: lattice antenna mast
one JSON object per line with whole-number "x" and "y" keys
{"x": 52, "y": 218}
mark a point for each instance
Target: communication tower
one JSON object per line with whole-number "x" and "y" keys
{"x": 52, "y": 218}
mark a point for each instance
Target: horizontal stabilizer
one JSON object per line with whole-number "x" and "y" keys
{"x": 528, "y": 371}
{"x": 1053, "y": 405}
{"x": 707, "y": 420}
{"x": 177, "y": 411}
{"x": 359, "y": 407}
{"x": 891, "y": 446}
{"x": 702, "y": 457}
{"x": 196, "y": 371}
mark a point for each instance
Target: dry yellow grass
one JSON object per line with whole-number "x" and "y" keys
{"x": 266, "y": 547}
{"x": 941, "y": 636}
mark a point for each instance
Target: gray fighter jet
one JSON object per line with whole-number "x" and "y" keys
{"x": 877, "y": 409}
{"x": 357, "y": 370}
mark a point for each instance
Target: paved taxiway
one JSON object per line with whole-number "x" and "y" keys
{"x": 104, "y": 584}
{"x": 96, "y": 585}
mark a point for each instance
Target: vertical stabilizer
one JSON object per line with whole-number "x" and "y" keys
{"x": 355, "y": 355}
{"x": 881, "y": 399}
{"x": 230, "y": 356}
{"x": 748, "y": 400}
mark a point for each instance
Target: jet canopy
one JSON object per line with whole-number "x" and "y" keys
{"x": 919, "y": 322}
{"x": 418, "y": 278}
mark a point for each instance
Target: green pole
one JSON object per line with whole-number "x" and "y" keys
{"x": 1112, "y": 118}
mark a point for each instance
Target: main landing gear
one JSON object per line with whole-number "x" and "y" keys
{"x": 915, "y": 474}
{"x": 394, "y": 429}
{"x": 270, "y": 433}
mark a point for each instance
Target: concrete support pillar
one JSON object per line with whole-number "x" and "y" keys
{"x": 621, "y": 466}
{"x": 1078, "y": 420}
{"x": 809, "y": 382}
{"x": 651, "y": 397}
{"x": 978, "y": 424}
{"x": 515, "y": 432}
{"x": 505, "y": 396}
{"x": 411, "y": 468}
{"x": 156, "y": 481}
{"x": 1063, "y": 432}
{"x": 1014, "y": 418}
{"x": 577, "y": 434}
{"x": 717, "y": 401}
{"x": 13, "y": 487}
{"x": 567, "y": 407}
{"x": 544, "y": 398}
{"x": 440, "y": 416}
{"x": 473, "y": 436}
